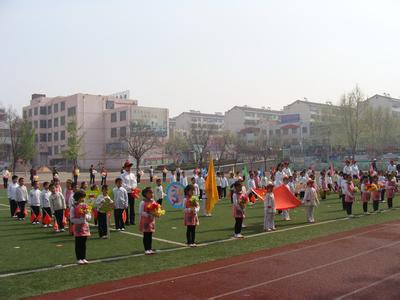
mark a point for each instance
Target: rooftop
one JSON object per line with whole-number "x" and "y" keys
{"x": 255, "y": 109}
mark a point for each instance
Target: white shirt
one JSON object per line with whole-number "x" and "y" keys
{"x": 159, "y": 192}
{"x": 201, "y": 183}
{"x": 269, "y": 202}
{"x": 391, "y": 168}
{"x": 347, "y": 170}
{"x": 21, "y": 194}
{"x": 355, "y": 171}
{"x": 12, "y": 191}
{"x": 120, "y": 198}
{"x": 5, "y": 174}
{"x": 45, "y": 198}
{"x": 218, "y": 180}
{"x": 183, "y": 180}
{"x": 129, "y": 182}
{"x": 224, "y": 182}
{"x": 196, "y": 191}
{"x": 34, "y": 197}
{"x": 278, "y": 178}
{"x": 264, "y": 181}
{"x": 287, "y": 172}
{"x": 251, "y": 184}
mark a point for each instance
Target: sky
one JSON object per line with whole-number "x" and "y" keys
{"x": 206, "y": 55}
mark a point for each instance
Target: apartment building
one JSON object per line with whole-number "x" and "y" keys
{"x": 5, "y": 140}
{"x": 385, "y": 101}
{"x": 195, "y": 120}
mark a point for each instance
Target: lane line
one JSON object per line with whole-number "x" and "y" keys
{"x": 368, "y": 286}
{"x": 304, "y": 271}
{"x": 229, "y": 265}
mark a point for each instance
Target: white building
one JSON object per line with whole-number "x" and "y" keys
{"x": 195, "y": 120}
{"x": 5, "y": 140}
{"x": 385, "y": 101}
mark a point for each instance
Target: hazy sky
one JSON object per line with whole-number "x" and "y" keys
{"x": 204, "y": 55}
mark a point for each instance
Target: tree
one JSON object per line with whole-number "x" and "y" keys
{"x": 22, "y": 138}
{"x": 140, "y": 139}
{"x": 199, "y": 139}
{"x": 176, "y": 146}
{"x": 264, "y": 147}
{"x": 74, "y": 143}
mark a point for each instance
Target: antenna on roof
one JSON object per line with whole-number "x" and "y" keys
{"x": 305, "y": 98}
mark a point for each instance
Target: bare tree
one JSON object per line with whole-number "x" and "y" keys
{"x": 199, "y": 139}
{"x": 176, "y": 146}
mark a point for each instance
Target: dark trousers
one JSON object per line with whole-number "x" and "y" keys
{"x": 80, "y": 247}
{"x": 151, "y": 178}
{"x": 45, "y": 210}
{"x": 375, "y": 205}
{"x": 231, "y": 192}
{"x": 190, "y": 234}
{"x": 201, "y": 194}
{"x": 36, "y": 211}
{"x": 302, "y": 194}
{"x": 219, "y": 192}
{"x": 5, "y": 182}
{"x": 131, "y": 218}
{"x": 159, "y": 201}
{"x": 343, "y": 202}
{"x": 138, "y": 177}
{"x": 75, "y": 179}
{"x": 91, "y": 181}
{"x": 103, "y": 180}
{"x": 383, "y": 194}
{"x": 21, "y": 206}
{"x": 102, "y": 223}
{"x": 390, "y": 202}
{"x": 147, "y": 239}
{"x": 238, "y": 225}
{"x": 59, "y": 214}
{"x": 118, "y": 218}
{"x": 349, "y": 207}
{"x": 365, "y": 207}
{"x": 164, "y": 177}
{"x": 13, "y": 206}
{"x": 224, "y": 192}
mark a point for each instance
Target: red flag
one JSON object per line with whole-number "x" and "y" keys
{"x": 64, "y": 220}
{"x": 95, "y": 214}
{"x": 260, "y": 193}
{"x": 136, "y": 193}
{"x": 46, "y": 219}
{"x": 17, "y": 210}
{"x": 55, "y": 226}
{"x": 25, "y": 212}
{"x": 67, "y": 213}
{"x": 33, "y": 217}
{"x": 284, "y": 199}
{"x": 124, "y": 216}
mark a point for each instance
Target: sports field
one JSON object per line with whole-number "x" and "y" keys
{"x": 36, "y": 261}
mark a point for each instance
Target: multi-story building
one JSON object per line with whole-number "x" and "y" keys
{"x": 5, "y": 140}
{"x": 393, "y": 104}
{"x": 242, "y": 117}
{"x": 195, "y": 120}
{"x": 92, "y": 113}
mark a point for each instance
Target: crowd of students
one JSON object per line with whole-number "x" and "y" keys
{"x": 51, "y": 203}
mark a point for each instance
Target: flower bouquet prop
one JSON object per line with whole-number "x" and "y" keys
{"x": 155, "y": 209}
{"x": 372, "y": 187}
{"x": 243, "y": 201}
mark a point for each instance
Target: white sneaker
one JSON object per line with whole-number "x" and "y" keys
{"x": 85, "y": 261}
{"x": 244, "y": 226}
{"x": 57, "y": 231}
{"x": 238, "y": 236}
{"x": 147, "y": 252}
{"x": 45, "y": 226}
{"x": 122, "y": 229}
{"x": 118, "y": 229}
{"x": 62, "y": 230}
{"x": 80, "y": 262}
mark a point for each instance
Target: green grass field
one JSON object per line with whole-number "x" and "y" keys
{"x": 25, "y": 247}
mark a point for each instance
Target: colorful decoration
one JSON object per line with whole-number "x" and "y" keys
{"x": 82, "y": 209}
{"x": 155, "y": 209}
{"x": 284, "y": 199}
{"x": 136, "y": 193}
{"x": 243, "y": 201}
{"x": 106, "y": 206}
{"x": 175, "y": 194}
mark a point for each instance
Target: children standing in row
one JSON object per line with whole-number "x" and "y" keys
{"x": 365, "y": 195}
{"x": 349, "y": 196}
{"x": 390, "y": 187}
{"x": 45, "y": 203}
{"x": 12, "y": 196}
{"x": 159, "y": 192}
{"x": 101, "y": 214}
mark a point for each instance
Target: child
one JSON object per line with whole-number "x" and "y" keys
{"x": 224, "y": 185}
{"x": 310, "y": 201}
{"x": 80, "y": 228}
{"x": 349, "y": 196}
{"x": 101, "y": 214}
{"x": 269, "y": 207}
{"x": 381, "y": 185}
{"x": 264, "y": 180}
{"x": 191, "y": 216}
{"x": 57, "y": 185}
{"x": 285, "y": 212}
{"x": 147, "y": 220}
{"x": 376, "y": 195}
{"x": 159, "y": 193}
{"x": 11, "y": 193}
{"x": 120, "y": 204}
{"x": 183, "y": 179}
{"x": 196, "y": 191}
{"x": 219, "y": 184}
{"x": 34, "y": 202}
{"x": 302, "y": 183}
{"x": 365, "y": 195}
{"x": 238, "y": 209}
{"x": 343, "y": 186}
{"x": 45, "y": 202}
{"x": 21, "y": 198}
{"x": 84, "y": 186}
{"x": 390, "y": 189}
{"x": 231, "y": 182}
{"x": 323, "y": 184}
{"x": 202, "y": 183}
{"x": 57, "y": 205}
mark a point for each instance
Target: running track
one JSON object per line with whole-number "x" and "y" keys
{"x": 358, "y": 264}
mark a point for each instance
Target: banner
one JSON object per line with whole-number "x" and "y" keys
{"x": 284, "y": 199}
{"x": 175, "y": 194}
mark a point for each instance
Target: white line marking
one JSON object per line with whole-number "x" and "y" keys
{"x": 229, "y": 265}
{"x": 4, "y": 205}
{"x": 305, "y": 271}
{"x": 154, "y": 238}
{"x": 368, "y": 286}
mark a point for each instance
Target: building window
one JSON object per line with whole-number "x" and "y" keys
{"x": 55, "y": 137}
{"x": 49, "y": 110}
{"x": 55, "y": 108}
{"x": 113, "y": 132}
{"x": 285, "y": 131}
{"x": 109, "y": 104}
{"x": 49, "y": 123}
{"x": 294, "y": 130}
{"x": 43, "y": 137}
{"x": 35, "y": 111}
{"x": 62, "y": 121}
{"x": 25, "y": 114}
{"x": 113, "y": 117}
{"x": 122, "y": 132}
{"x": 71, "y": 111}
{"x": 271, "y": 132}
{"x": 304, "y": 129}
{"x": 62, "y": 135}
{"x": 49, "y": 135}
{"x": 122, "y": 115}
{"x": 43, "y": 123}
{"x": 35, "y": 124}
{"x": 62, "y": 106}
{"x": 278, "y": 132}
{"x": 56, "y": 150}
{"x": 55, "y": 122}
{"x": 49, "y": 150}
{"x": 43, "y": 110}
{"x": 30, "y": 112}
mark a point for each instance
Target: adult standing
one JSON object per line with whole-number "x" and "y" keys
{"x": 151, "y": 173}
{"x": 75, "y": 174}
{"x": 347, "y": 169}
{"x": 103, "y": 175}
{"x": 6, "y": 175}
{"x": 355, "y": 171}
{"x": 129, "y": 183}
{"x": 164, "y": 174}
{"x": 91, "y": 174}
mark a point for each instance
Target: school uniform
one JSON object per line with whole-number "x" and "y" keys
{"x": 285, "y": 212}
{"x": 310, "y": 202}
{"x": 147, "y": 224}
{"x": 202, "y": 183}
{"x": 343, "y": 186}
{"x": 81, "y": 231}
{"x": 191, "y": 220}
{"x": 12, "y": 196}
{"x": 303, "y": 183}
{"x": 238, "y": 213}
{"x": 376, "y": 198}
{"x": 196, "y": 191}
{"x": 390, "y": 189}
{"x": 231, "y": 181}
{"x": 349, "y": 198}
{"x": 324, "y": 186}
{"x": 101, "y": 215}
{"x": 21, "y": 198}
{"x": 45, "y": 204}
{"x": 348, "y": 170}
{"x": 224, "y": 185}
{"x": 219, "y": 186}
{"x": 159, "y": 194}
{"x": 184, "y": 181}
{"x": 269, "y": 211}
{"x": 382, "y": 183}
{"x": 57, "y": 205}
{"x": 34, "y": 203}
{"x": 263, "y": 181}
{"x": 365, "y": 197}
{"x": 120, "y": 204}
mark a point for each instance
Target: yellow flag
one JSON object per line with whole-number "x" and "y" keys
{"x": 211, "y": 188}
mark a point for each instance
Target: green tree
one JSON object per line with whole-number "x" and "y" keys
{"x": 74, "y": 143}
